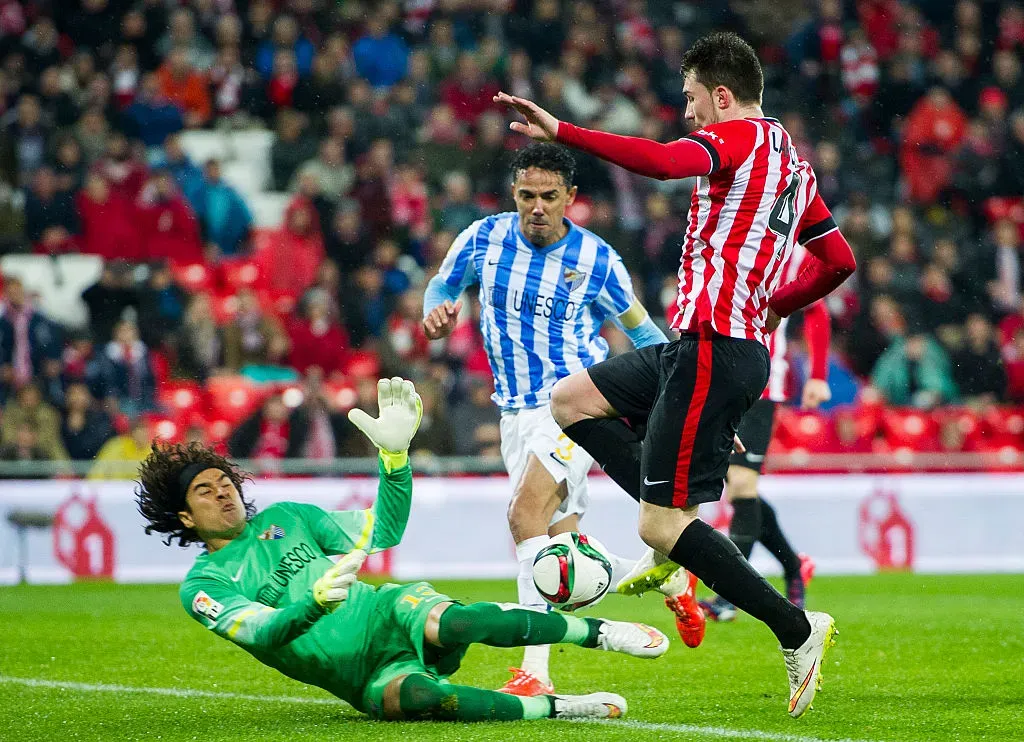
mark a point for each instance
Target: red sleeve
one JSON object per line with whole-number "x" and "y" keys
{"x": 831, "y": 263}
{"x": 717, "y": 147}
{"x": 834, "y": 264}
{"x": 683, "y": 158}
{"x": 818, "y": 335}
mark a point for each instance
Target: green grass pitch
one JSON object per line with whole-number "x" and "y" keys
{"x": 925, "y": 658}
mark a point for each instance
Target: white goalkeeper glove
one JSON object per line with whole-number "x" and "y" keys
{"x": 331, "y": 590}
{"x": 400, "y": 414}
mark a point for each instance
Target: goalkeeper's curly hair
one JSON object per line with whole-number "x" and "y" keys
{"x": 158, "y": 495}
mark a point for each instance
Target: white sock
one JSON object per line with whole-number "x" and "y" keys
{"x": 620, "y": 568}
{"x": 535, "y": 658}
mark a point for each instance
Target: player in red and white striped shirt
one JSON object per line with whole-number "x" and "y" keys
{"x": 755, "y": 198}
{"x": 753, "y": 518}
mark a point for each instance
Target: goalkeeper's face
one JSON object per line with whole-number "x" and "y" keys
{"x": 214, "y": 507}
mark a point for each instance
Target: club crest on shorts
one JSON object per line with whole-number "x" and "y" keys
{"x": 574, "y": 278}
{"x": 272, "y": 534}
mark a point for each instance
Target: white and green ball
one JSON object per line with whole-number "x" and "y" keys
{"x": 572, "y": 571}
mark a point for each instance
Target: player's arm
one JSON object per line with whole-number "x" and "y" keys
{"x": 830, "y": 262}
{"x": 222, "y": 609}
{"x": 617, "y": 300}
{"x": 440, "y": 299}
{"x": 684, "y": 158}
{"x": 818, "y": 337}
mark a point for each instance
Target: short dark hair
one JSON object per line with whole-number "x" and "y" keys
{"x": 158, "y": 494}
{"x": 723, "y": 58}
{"x": 545, "y": 156}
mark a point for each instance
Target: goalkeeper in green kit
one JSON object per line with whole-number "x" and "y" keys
{"x": 265, "y": 582}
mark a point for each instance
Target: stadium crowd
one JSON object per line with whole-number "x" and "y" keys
{"x": 217, "y": 325}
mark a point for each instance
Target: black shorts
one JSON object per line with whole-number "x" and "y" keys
{"x": 756, "y": 433}
{"x": 693, "y": 393}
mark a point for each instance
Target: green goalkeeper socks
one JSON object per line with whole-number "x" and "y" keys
{"x": 506, "y": 625}
{"x": 423, "y": 697}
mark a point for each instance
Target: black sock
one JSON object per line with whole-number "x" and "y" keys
{"x": 614, "y": 446}
{"x": 716, "y": 560}
{"x": 745, "y": 528}
{"x": 775, "y": 541}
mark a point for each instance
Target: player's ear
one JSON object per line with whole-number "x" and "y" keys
{"x": 186, "y": 519}
{"x": 572, "y": 196}
{"x": 722, "y": 97}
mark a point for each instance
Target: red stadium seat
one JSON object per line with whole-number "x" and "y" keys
{"x": 910, "y": 429}
{"x": 960, "y": 429}
{"x": 233, "y": 398}
{"x": 181, "y": 398}
{"x": 193, "y": 277}
{"x": 342, "y": 395}
{"x": 363, "y": 364}
{"x": 798, "y": 430}
{"x": 1006, "y": 427}
{"x": 855, "y": 429}
{"x": 239, "y": 274}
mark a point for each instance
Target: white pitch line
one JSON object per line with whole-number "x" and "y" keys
{"x": 719, "y": 732}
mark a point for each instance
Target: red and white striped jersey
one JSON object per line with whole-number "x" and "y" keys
{"x": 745, "y": 216}
{"x": 817, "y": 333}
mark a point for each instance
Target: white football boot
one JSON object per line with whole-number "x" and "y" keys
{"x": 590, "y": 706}
{"x": 803, "y": 664}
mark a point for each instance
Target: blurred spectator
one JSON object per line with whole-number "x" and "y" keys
{"x": 317, "y": 339}
{"x": 410, "y": 202}
{"x": 291, "y": 149}
{"x": 161, "y": 306}
{"x": 108, "y": 225}
{"x": 127, "y": 372}
{"x": 915, "y": 370}
{"x": 406, "y": 341}
{"x": 29, "y": 409}
{"x": 168, "y": 228}
{"x": 85, "y": 427}
{"x": 380, "y": 55}
{"x": 469, "y": 92}
{"x": 24, "y": 446}
{"x": 92, "y": 132}
{"x": 22, "y": 141}
{"x": 347, "y": 243}
{"x": 442, "y": 145}
{"x": 458, "y": 210}
{"x": 225, "y": 217}
{"x": 933, "y": 131}
{"x": 182, "y": 85}
{"x": 125, "y": 76}
{"x": 1013, "y": 359}
{"x": 200, "y": 344}
{"x": 183, "y": 35}
{"x": 372, "y": 188}
{"x": 336, "y": 177}
{"x": 366, "y": 305}
{"x": 542, "y": 34}
{"x": 108, "y": 298}
{"x": 1005, "y": 267}
{"x": 58, "y": 108}
{"x": 279, "y": 92}
{"x": 152, "y": 117}
{"x": 12, "y": 219}
{"x": 294, "y": 251}
{"x": 30, "y": 344}
{"x": 327, "y": 426}
{"x": 186, "y": 173}
{"x": 435, "y": 436}
{"x": 288, "y": 38}
{"x": 274, "y": 368}
{"x": 120, "y": 168}
{"x": 476, "y": 420}
{"x": 248, "y": 336}
{"x": 50, "y": 218}
{"x": 41, "y": 44}
{"x": 977, "y": 367}
{"x": 68, "y": 164}
{"x": 120, "y": 456}
{"x": 228, "y": 80}
{"x": 322, "y": 90}
{"x": 270, "y": 434}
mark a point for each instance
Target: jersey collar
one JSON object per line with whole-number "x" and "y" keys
{"x": 554, "y": 245}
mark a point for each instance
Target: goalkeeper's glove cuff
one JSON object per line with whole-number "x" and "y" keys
{"x": 394, "y": 461}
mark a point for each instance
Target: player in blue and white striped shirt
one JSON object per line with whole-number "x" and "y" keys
{"x": 546, "y": 288}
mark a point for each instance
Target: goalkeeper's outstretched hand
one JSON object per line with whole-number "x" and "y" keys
{"x": 400, "y": 414}
{"x": 331, "y": 590}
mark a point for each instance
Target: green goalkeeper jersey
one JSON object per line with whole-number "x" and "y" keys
{"x": 257, "y": 591}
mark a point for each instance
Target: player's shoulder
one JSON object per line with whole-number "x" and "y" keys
{"x": 724, "y": 133}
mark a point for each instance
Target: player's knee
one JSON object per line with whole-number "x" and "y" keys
{"x": 741, "y": 483}
{"x": 563, "y": 403}
{"x": 422, "y": 697}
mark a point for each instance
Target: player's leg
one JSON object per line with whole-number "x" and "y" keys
{"x": 716, "y": 379}
{"x": 588, "y": 406}
{"x": 420, "y": 696}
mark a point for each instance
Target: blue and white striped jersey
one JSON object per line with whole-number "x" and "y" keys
{"x": 542, "y": 308}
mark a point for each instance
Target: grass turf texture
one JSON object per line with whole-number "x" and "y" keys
{"x": 918, "y": 659}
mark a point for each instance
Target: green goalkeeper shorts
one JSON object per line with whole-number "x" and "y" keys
{"x": 397, "y": 627}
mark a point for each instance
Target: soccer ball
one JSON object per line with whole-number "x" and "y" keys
{"x": 572, "y": 571}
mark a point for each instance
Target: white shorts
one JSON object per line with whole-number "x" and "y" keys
{"x": 534, "y": 431}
